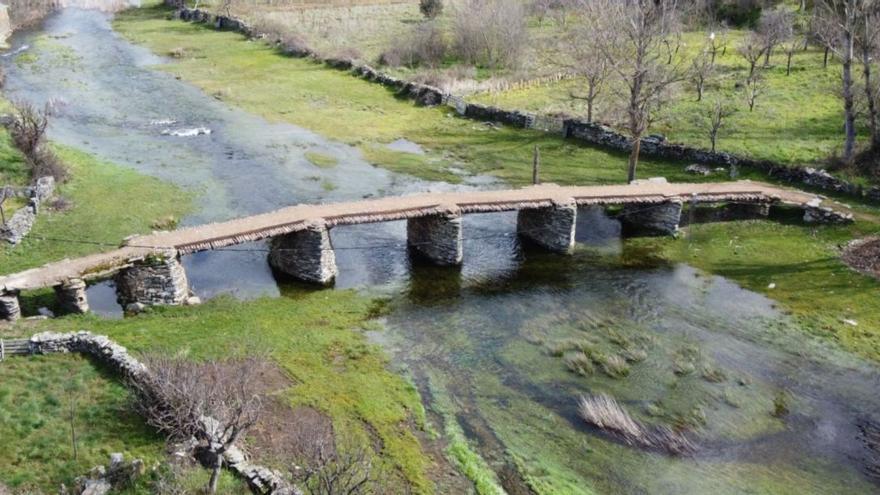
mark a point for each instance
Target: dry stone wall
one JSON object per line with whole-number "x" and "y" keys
{"x": 22, "y": 221}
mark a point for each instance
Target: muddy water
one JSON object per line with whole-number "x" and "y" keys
{"x": 770, "y": 410}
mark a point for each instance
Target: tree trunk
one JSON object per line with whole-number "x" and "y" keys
{"x": 871, "y": 99}
{"x": 788, "y": 64}
{"x": 825, "y": 62}
{"x": 590, "y": 110}
{"x": 700, "y": 85}
{"x": 849, "y": 147}
{"x": 215, "y": 474}
{"x": 634, "y": 158}
{"x": 767, "y": 56}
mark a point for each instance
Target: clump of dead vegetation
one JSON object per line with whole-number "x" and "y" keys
{"x": 864, "y": 256}
{"x": 28, "y": 131}
{"x": 605, "y": 413}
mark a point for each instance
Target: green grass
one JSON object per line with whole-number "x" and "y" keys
{"x": 97, "y": 190}
{"x": 314, "y": 339}
{"x": 798, "y": 119}
{"x": 321, "y": 160}
{"x": 37, "y": 400}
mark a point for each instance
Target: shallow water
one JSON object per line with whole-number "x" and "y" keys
{"x": 478, "y": 336}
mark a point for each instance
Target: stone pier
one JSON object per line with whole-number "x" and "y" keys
{"x": 651, "y": 218}
{"x": 10, "y": 310}
{"x": 155, "y": 281}
{"x": 437, "y": 237}
{"x": 306, "y": 255}
{"x": 552, "y": 227}
{"x": 72, "y": 297}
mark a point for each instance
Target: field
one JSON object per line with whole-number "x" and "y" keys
{"x": 797, "y": 119}
{"x": 318, "y": 338}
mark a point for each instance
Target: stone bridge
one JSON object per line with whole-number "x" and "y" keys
{"x": 148, "y": 271}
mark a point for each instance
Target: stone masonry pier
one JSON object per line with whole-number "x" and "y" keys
{"x": 438, "y": 237}
{"x": 148, "y": 271}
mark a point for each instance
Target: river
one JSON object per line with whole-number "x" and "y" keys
{"x": 769, "y": 409}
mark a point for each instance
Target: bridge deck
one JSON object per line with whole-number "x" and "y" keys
{"x": 294, "y": 218}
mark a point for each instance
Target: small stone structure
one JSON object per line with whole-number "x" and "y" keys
{"x": 155, "y": 281}
{"x": 10, "y": 309}
{"x": 551, "y": 227}
{"x": 71, "y": 296}
{"x": 814, "y": 212}
{"x": 652, "y": 218}
{"x": 22, "y": 221}
{"x": 437, "y": 237}
{"x": 306, "y": 255}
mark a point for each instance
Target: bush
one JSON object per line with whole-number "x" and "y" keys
{"x": 431, "y": 8}
{"x": 28, "y": 131}
{"x": 424, "y": 45}
{"x": 490, "y": 33}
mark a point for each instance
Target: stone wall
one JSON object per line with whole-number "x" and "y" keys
{"x": 587, "y": 132}
{"x": 24, "y": 13}
{"x": 22, "y": 221}
{"x": 261, "y": 480}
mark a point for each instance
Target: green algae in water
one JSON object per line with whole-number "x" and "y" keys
{"x": 511, "y": 349}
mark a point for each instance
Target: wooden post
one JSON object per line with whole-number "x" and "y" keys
{"x": 536, "y": 166}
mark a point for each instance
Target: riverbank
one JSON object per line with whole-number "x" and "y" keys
{"x": 249, "y": 74}
{"x": 315, "y": 337}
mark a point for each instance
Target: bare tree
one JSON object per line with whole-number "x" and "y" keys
{"x": 346, "y": 471}
{"x": 701, "y": 71}
{"x": 840, "y": 21}
{"x": 720, "y": 112}
{"x": 774, "y": 27}
{"x": 751, "y": 49}
{"x": 790, "y": 46}
{"x": 214, "y": 402}
{"x": 718, "y": 42}
{"x": 633, "y": 35}
{"x": 580, "y": 55}
{"x": 869, "y": 49}
{"x": 28, "y": 130}
{"x": 755, "y": 87}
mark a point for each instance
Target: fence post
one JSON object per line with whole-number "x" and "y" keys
{"x": 536, "y": 166}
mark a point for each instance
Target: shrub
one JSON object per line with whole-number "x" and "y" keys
{"x": 431, "y": 8}
{"x": 424, "y": 45}
{"x": 490, "y": 33}
{"x": 28, "y": 131}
